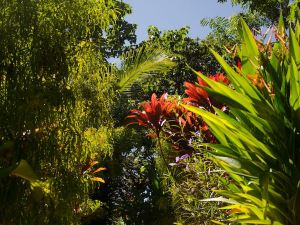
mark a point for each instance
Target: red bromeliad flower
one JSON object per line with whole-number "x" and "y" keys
{"x": 153, "y": 115}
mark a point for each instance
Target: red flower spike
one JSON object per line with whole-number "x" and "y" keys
{"x": 204, "y": 127}
{"x": 257, "y": 81}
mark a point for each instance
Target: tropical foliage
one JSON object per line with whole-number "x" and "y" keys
{"x": 176, "y": 131}
{"x": 149, "y": 139}
{"x": 58, "y": 94}
{"x": 165, "y": 117}
{"x": 270, "y": 9}
{"x": 259, "y": 137}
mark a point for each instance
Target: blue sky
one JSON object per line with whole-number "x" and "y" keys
{"x": 173, "y": 14}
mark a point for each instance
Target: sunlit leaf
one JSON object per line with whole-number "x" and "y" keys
{"x": 98, "y": 179}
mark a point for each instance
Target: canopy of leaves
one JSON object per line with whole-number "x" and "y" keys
{"x": 224, "y": 31}
{"x": 270, "y": 9}
{"x": 47, "y": 50}
{"x": 184, "y": 50}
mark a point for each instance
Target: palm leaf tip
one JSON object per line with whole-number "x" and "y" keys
{"x": 141, "y": 63}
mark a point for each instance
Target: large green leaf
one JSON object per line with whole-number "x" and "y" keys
{"x": 228, "y": 94}
{"x": 25, "y": 171}
{"x": 249, "y": 51}
{"x": 294, "y": 47}
{"x": 241, "y": 83}
{"x": 294, "y": 85}
{"x": 231, "y": 129}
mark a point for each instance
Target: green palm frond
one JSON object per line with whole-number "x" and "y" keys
{"x": 140, "y": 63}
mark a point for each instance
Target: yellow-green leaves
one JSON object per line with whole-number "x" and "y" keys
{"x": 294, "y": 47}
{"x": 249, "y": 53}
{"x": 25, "y": 171}
{"x": 294, "y": 73}
{"x": 257, "y": 137}
{"x": 98, "y": 179}
{"x": 294, "y": 85}
{"x": 241, "y": 83}
{"x": 241, "y": 97}
{"x": 280, "y": 27}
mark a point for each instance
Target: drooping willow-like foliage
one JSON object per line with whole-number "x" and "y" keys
{"x": 50, "y": 66}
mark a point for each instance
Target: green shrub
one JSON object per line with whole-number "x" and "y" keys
{"x": 196, "y": 180}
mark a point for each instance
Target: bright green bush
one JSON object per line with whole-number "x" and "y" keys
{"x": 39, "y": 68}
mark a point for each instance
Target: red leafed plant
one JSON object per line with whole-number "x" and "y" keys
{"x": 153, "y": 115}
{"x": 178, "y": 125}
{"x": 199, "y": 97}
{"x": 90, "y": 171}
{"x": 196, "y": 94}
